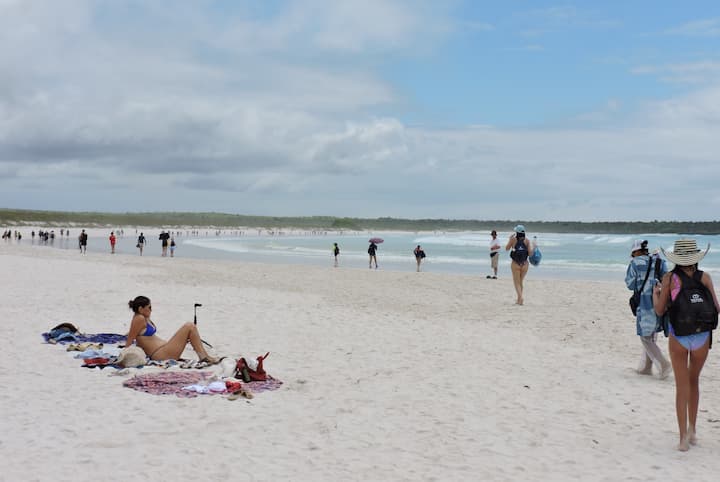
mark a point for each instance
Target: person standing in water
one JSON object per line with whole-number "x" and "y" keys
{"x": 336, "y": 253}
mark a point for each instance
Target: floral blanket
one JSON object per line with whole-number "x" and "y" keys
{"x": 172, "y": 383}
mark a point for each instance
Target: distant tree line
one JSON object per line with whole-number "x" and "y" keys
{"x": 17, "y": 217}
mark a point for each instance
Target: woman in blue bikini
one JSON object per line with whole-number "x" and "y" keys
{"x": 687, "y": 352}
{"x": 142, "y": 332}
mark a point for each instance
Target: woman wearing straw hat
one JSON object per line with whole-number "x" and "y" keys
{"x": 641, "y": 276}
{"x": 690, "y": 338}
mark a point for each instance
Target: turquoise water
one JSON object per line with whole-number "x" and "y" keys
{"x": 565, "y": 256}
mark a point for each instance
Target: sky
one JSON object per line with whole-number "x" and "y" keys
{"x": 518, "y": 110}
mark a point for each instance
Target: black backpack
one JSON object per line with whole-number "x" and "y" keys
{"x": 519, "y": 254}
{"x": 693, "y": 310}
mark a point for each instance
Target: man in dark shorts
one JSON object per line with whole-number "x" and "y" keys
{"x": 83, "y": 241}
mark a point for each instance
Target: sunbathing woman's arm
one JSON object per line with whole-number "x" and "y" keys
{"x": 136, "y": 326}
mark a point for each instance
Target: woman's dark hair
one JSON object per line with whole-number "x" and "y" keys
{"x": 138, "y": 303}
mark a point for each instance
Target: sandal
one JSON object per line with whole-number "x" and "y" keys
{"x": 209, "y": 360}
{"x": 241, "y": 392}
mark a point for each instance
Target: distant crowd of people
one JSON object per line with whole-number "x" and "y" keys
{"x": 47, "y": 237}
{"x": 9, "y": 235}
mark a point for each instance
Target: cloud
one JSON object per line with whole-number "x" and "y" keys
{"x": 134, "y": 106}
{"x": 554, "y": 18}
{"x": 698, "y": 28}
{"x": 700, "y": 72}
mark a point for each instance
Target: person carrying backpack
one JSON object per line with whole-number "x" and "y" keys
{"x": 141, "y": 243}
{"x": 687, "y": 296}
{"x": 643, "y": 272}
{"x": 520, "y": 249}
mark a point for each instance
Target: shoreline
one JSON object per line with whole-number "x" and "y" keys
{"x": 194, "y": 246}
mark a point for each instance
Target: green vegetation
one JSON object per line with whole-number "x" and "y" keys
{"x": 16, "y": 217}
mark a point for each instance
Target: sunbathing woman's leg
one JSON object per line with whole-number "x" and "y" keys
{"x": 176, "y": 345}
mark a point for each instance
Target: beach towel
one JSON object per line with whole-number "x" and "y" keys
{"x": 167, "y": 383}
{"x": 67, "y": 337}
{"x": 172, "y": 383}
{"x": 264, "y": 385}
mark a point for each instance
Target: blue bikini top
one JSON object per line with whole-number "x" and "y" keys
{"x": 149, "y": 328}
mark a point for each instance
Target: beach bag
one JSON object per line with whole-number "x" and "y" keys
{"x": 693, "y": 310}
{"x": 252, "y": 370}
{"x": 131, "y": 357}
{"x": 634, "y": 302}
{"x": 635, "y": 298}
{"x": 536, "y": 257}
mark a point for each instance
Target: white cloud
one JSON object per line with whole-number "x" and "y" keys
{"x": 276, "y": 114}
{"x": 699, "y": 28}
{"x": 700, "y": 72}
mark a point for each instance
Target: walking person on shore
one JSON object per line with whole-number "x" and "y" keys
{"x": 494, "y": 254}
{"x": 643, "y": 272}
{"x": 336, "y": 253}
{"x": 164, "y": 237}
{"x": 112, "y": 242}
{"x": 419, "y": 256}
{"x": 372, "y": 252}
{"x": 172, "y": 247}
{"x": 83, "y": 239}
{"x": 141, "y": 243}
{"x": 688, "y": 296}
{"x": 520, "y": 250}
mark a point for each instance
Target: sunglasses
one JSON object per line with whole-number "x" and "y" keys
{"x": 149, "y": 307}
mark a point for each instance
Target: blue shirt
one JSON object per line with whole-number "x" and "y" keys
{"x": 647, "y": 321}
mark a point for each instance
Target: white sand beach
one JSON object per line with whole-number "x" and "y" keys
{"x": 387, "y": 376}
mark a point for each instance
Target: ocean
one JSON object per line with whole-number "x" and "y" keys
{"x": 565, "y": 256}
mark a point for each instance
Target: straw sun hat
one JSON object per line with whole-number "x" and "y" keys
{"x": 685, "y": 252}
